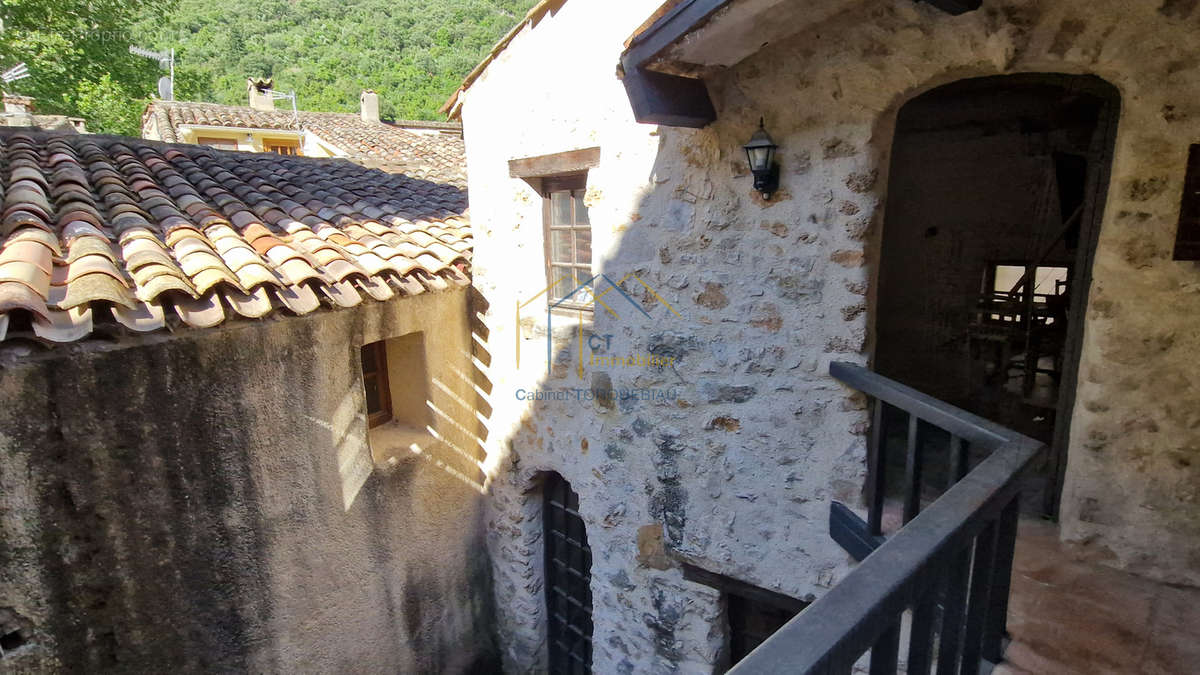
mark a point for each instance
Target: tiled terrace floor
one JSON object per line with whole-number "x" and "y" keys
{"x": 1070, "y": 617}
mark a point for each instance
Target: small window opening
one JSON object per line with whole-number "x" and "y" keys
{"x": 1050, "y": 287}
{"x": 568, "y": 231}
{"x": 753, "y": 613}
{"x": 375, "y": 381}
{"x": 394, "y": 377}
{"x": 283, "y": 147}
{"x": 751, "y": 623}
{"x": 397, "y": 395}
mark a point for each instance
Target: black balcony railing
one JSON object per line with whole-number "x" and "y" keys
{"x": 948, "y": 567}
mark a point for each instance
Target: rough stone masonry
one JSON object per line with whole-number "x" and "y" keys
{"x": 736, "y": 474}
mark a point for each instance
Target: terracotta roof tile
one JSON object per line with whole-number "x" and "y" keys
{"x": 436, "y": 157}
{"x": 101, "y": 232}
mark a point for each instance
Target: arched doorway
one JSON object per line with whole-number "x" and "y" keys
{"x": 995, "y": 195}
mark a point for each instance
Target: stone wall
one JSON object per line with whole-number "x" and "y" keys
{"x": 736, "y": 473}
{"x": 207, "y": 502}
{"x": 733, "y": 465}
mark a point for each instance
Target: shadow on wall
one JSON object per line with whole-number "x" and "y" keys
{"x": 712, "y": 320}
{"x": 687, "y": 338}
{"x": 439, "y": 417}
{"x": 468, "y": 415}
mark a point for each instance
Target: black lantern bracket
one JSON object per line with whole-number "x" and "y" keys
{"x": 760, "y": 154}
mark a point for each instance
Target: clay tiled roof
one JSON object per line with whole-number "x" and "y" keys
{"x": 100, "y": 233}
{"x": 440, "y": 157}
{"x": 436, "y": 157}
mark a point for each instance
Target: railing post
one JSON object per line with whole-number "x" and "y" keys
{"x": 876, "y": 470}
{"x": 981, "y": 591}
{"x": 912, "y": 470}
{"x": 958, "y": 461}
{"x": 885, "y": 653}
{"x": 920, "y": 642}
{"x": 954, "y": 605}
{"x": 950, "y": 566}
{"x": 997, "y": 622}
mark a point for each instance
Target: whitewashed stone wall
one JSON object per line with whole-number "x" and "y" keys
{"x": 736, "y": 474}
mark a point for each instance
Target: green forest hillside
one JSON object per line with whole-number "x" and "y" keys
{"x": 413, "y": 52}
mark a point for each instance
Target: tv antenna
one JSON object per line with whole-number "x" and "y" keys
{"x": 166, "y": 61}
{"x": 17, "y": 72}
{"x": 279, "y": 96}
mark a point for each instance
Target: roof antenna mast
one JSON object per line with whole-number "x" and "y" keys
{"x": 291, "y": 96}
{"x": 166, "y": 61}
{"x": 17, "y": 72}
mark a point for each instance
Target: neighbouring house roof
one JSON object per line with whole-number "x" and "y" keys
{"x": 532, "y": 18}
{"x": 103, "y": 234}
{"x": 438, "y": 157}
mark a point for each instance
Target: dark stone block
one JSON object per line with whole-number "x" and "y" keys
{"x": 728, "y": 393}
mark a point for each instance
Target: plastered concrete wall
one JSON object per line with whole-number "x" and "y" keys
{"x": 206, "y": 502}
{"x": 736, "y": 474}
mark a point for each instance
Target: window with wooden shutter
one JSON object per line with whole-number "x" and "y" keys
{"x": 283, "y": 147}
{"x": 375, "y": 381}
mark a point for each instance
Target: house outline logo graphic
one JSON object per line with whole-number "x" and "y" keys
{"x": 566, "y": 302}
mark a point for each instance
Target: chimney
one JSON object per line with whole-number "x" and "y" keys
{"x": 260, "y": 98}
{"x": 369, "y": 106}
{"x": 17, "y": 104}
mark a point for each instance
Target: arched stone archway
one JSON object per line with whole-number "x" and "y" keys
{"x": 997, "y": 186}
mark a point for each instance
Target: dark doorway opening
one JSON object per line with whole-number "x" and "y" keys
{"x": 568, "y": 580}
{"x": 995, "y": 194}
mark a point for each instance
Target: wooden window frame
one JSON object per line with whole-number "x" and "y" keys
{"x": 573, "y": 182}
{"x": 380, "y": 375}
{"x": 294, "y": 146}
{"x": 533, "y": 169}
{"x": 993, "y": 266}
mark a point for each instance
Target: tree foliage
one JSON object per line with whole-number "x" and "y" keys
{"x": 77, "y": 53}
{"x": 413, "y": 53}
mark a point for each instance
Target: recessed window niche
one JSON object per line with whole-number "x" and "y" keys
{"x": 396, "y": 384}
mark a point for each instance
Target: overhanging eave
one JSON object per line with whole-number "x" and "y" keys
{"x": 659, "y": 98}
{"x": 664, "y": 63}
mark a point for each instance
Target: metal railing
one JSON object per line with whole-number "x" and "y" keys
{"x": 949, "y": 567}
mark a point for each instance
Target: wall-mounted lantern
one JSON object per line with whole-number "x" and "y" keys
{"x": 760, "y": 152}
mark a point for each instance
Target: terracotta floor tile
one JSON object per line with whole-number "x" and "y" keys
{"x": 1041, "y": 658}
{"x": 1178, "y": 608}
{"x": 1171, "y": 655}
{"x": 1078, "y": 631}
{"x": 1067, "y": 616}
